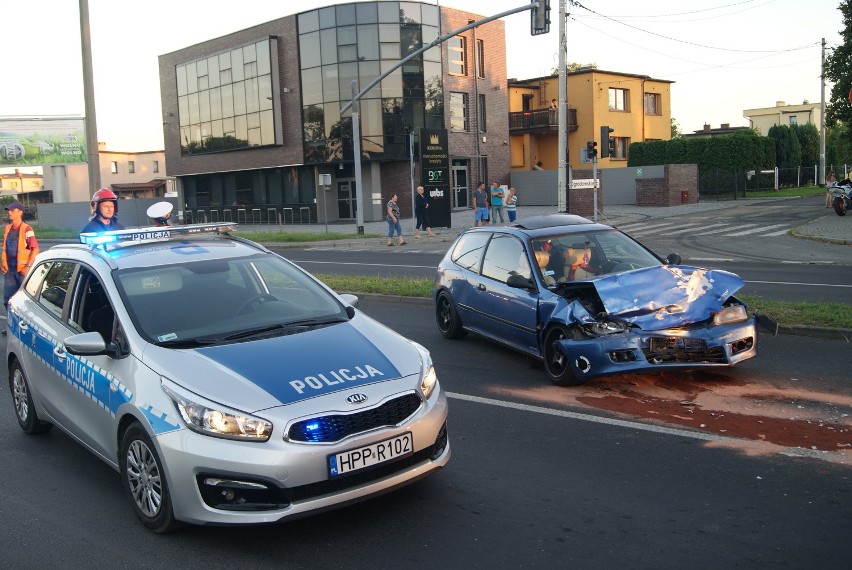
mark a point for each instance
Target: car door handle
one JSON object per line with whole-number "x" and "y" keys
{"x": 22, "y": 326}
{"x": 480, "y": 286}
{"x": 59, "y": 352}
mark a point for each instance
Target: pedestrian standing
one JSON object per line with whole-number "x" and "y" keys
{"x": 393, "y": 220}
{"x": 104, "y": 212}
{"x": 480, "y": 206}
{"x": 421, "y": 211}
{"x": 829, "y": 182}
{"x": 511, "y": 203}
{"x": 497, "y": 203}
{"x": 19, "y": 250}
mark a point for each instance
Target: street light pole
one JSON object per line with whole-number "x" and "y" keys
{"x": 92, "y": 154}
{"x": 356, "y": 141}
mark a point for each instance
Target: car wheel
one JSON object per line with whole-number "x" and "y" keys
{"x": 448, "y": 319}
{"x": 23, "y": 401}
{"x": 556, "y": 364}
{"x": 840, "y": 206}
{"x": 145, "y": 481}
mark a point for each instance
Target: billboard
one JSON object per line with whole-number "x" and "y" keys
{"x": 27, "y": 141}
{"x": 435, "y": 175}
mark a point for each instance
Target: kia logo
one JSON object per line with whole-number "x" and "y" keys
{"x": 357, "y": 398}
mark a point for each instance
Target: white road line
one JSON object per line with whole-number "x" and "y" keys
{"x": 687, "y": 230}
{"x": 778, "y": 233}
{"x": 643, "y": 227}
{"x": 801, "y": 284}
{"x": 364, "y": 264}
{"x": 755, "y": 230}
{"x": 590, "y": 418}
{"x": 650, "y": 228}
{"x": 718, "y": 231}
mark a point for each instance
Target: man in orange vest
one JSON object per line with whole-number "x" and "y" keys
{"x": 19, "y": 250}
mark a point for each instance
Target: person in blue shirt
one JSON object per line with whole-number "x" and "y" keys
{"x": 105, "y": 212}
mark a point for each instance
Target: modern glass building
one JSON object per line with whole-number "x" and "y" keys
{"x": 252, "y": 118}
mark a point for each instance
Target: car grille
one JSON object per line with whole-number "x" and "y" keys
{"x": 328, "y": 429}
{"x": 679, "y": 350}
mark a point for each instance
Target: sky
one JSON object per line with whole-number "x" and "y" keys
{"x": 724, "y": 56}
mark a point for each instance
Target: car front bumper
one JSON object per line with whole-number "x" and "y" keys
{"x": 278, "y": 479}
{"x": 632, "y": 351}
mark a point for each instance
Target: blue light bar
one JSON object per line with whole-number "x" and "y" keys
{"x": 136, "y": 235}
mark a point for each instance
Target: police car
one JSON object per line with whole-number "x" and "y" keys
{"x": 225, "y": 384}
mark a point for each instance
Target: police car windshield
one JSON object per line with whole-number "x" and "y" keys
{"x": 198, "y": 302}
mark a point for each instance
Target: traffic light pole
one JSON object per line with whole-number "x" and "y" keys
{"x": 595, "y": 186}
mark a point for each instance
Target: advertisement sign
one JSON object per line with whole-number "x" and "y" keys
{"x": 435, "y": 175}
{"x": 39, "y": 141}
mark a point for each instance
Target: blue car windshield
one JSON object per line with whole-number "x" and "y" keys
{"x": 586, "y": 255}
{"x": 215, "y": 299}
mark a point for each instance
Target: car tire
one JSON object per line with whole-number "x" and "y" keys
{"x": 448, "y": 319}
{"x": 23, "y": 401}
{"x": 144, "y": 481}
{"x": 556, "y": 364}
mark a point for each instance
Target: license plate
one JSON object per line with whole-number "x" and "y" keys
{"x": 369, "y": 455}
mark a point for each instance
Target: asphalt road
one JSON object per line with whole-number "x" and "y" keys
{"x": 537, "y": 480}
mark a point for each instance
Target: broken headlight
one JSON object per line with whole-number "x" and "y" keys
{"x": 604, "y": 328}
{"x": 732, "y": 314}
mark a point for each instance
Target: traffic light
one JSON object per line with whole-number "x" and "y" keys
{"x": 591, "y": 150}
{"x": 607, "y": 142}
{"x": 540, "y": 17}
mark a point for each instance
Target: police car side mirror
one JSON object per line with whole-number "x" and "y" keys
{"x": 86, "y": 344}
{"x": 351, "y": 302}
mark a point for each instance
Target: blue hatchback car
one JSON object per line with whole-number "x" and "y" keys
{"x": 589, "y": 301}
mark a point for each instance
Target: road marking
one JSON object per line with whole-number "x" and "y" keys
{"x": 723, "y": 230}
{"x": 364, "y": 264}
{"x": 806, "y": 284}
{"x": 693, "y": 229}
{"x": 756, "y": 230}
{"x": 590, "y": 418}
{"x": 779, "y": 233}
{"x": 633, "y": 231}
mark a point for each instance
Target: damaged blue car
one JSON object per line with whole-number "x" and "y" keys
{"x": 589, "y": 301}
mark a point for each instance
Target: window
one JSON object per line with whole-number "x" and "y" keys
{"x": 505, "y": 257}
{"x": 618, "y": 99}
{"x": 113, "y": 167}
{"x": 457, "y": 60}
{"x": 480, "y": 59}
{"x": 458, "y": 111}
{"x": 156, "y": 167}
{"x": 621, "y": 146}
{"x": 480, "y": 114}
{"x": 652, "y": 104}
{"x": 468, "y": 251}
{"x": 54, "y": 288}
{"x": 131, "y": 167}
{"x": 793, "y": 120}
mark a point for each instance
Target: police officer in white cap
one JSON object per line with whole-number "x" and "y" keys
{"x": 161, "y": 213}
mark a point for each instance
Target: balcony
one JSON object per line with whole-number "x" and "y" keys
{"x": 539, "y": 121}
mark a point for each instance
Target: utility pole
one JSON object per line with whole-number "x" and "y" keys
{"x": 92, "y": 154}
{"x": 822, "y": 117}
{"x": 562, "y": 179}
{"x": 356, "y": 145}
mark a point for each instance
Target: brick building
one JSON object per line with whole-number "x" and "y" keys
{"x": 252, "y": 119}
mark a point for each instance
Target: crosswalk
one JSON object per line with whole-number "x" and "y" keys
{"x": 704, "y": 227}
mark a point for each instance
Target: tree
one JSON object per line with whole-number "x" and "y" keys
{"x": 809, "y": 143}
{"x": 574, "y": 66}
{"x": 676, "y": 132}
{"x": 837, "y": 70}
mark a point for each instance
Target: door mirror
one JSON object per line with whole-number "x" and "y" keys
{"x": 520, "y": 282}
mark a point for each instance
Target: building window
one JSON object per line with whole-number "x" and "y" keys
{"x": 156, "y": 167}
{"x": 457, "y": 64}
{"x": 480, "y": 59}
{"x": 480, "y": 114}
{"x": 458, "y": 111}
{"x": 618, "y": 99}
{"x": 113, "y": 167}
{"x": 225, "y": 100}
{"x": 131, "y": 167}
{"x": 652, "y": 104}
{"x": 793, "y": 120}
{"x": 621, "y": 146}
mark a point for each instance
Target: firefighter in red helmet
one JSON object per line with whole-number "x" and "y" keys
{"x": 104, "y": 212}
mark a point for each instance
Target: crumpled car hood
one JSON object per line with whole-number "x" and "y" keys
{"x": 666, "y": 296}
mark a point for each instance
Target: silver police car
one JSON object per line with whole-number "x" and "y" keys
{"x": 225, "y": 384}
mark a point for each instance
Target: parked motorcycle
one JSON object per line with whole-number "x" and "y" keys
{"x": 841, "y": 196}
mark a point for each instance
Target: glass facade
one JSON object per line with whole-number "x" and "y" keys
{"x": 225, "y": 101}
{"x": 358, "y": 42}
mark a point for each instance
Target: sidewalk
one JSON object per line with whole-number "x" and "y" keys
{"x": 827, "y": 227}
